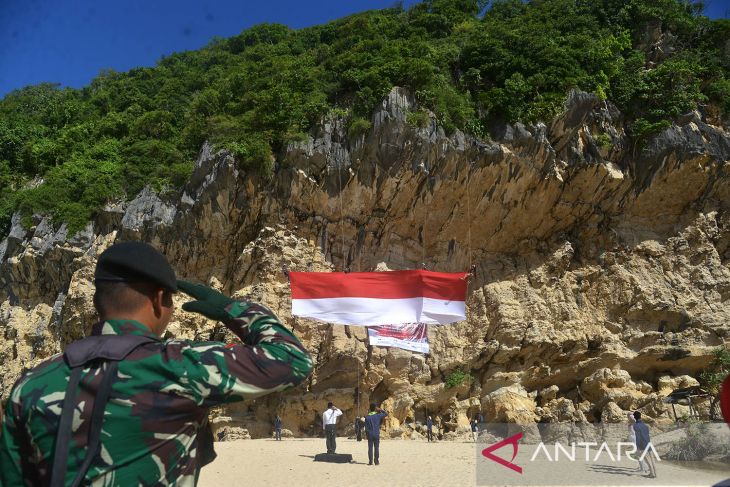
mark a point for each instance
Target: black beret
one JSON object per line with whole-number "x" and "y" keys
{"x": 135, "y": 262}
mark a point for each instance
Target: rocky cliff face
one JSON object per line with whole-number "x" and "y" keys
{"x": 602, "y": 271}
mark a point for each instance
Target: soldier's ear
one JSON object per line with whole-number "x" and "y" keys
{"x": 158, "y": 301}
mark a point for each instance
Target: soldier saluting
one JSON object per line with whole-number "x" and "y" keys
{"x": 124, "y": 407}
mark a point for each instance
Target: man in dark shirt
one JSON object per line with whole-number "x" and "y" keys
{"x": 358, "y": 428}
{"x": 277, "y": 428}
{"x": 429, "y": 429}
{"x": 642, "y": 441}
{"x": 372, "y": 428}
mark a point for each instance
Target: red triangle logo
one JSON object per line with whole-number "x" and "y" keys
{"x": 514, "y": 441}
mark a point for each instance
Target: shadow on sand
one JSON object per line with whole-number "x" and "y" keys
{"x": 632, "y": 472}
{"x": 353, "y": 462}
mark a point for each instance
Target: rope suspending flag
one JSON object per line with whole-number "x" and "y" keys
{"x": 413, "y": 336}
{"x": 393, "y": 297}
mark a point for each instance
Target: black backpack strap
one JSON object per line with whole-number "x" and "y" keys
{"x": 206, "y": 451}
{"x": 63, "y": 437}
{"x": 110, "y": 348}
{"x": 105, "y": 347}
{"x": 97, "y": 419}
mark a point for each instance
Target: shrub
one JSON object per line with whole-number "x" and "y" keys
{"x": 419, "y": 119}
{"x": 358, "y": 127}
{"x": 719, "y": 93}
{"x": 457, "y": 378}
{"x": 712, "y": 377}
{"x": 603, "y": 141}
{"x": 253, "y": 153}
{"x": 698, "y": 443}
{"x": 641, "y": 130}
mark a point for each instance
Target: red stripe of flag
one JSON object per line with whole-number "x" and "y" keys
{"x": 447, "y": 286}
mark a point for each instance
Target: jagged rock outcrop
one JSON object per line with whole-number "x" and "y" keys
{"x": 510, "y": 405}
{"x": 232, "y": 433}
{"x": 601, "y": 276}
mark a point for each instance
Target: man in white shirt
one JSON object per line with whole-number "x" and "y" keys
{"x": 329, "y": 423}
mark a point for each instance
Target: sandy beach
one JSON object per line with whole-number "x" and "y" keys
{"x": 418, "y": 463}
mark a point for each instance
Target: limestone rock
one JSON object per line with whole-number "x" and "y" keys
{"x": 29, "y": 337}
{"x": 509, "y": 405}
{"x": 285, "y": 433}
{"x": 147, "y": 207}
{"x": 561, "y": 409}
{"x": 78, "y": 314}
{"x": 233, "y": 433}
{"x": 612, "y": 385}
{"x": 549, "y": 393}
{"x": 612, "y": 413}
{"x": 397, "y": 433}
{"x": 455, "y": 436}
{"x": 415, "y": 435}
{"x": 601, "y": 282}
{"x": 666, "y": 384}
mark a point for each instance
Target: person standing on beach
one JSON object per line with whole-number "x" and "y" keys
{"x": 277, "y": 428}
{"x": 329, "y": 423}
{"x": 358, "y": 428}
{"x": 372, "y": 427}
{"x": 125, "y": 407}
{"x": 642, "y": 441}
{"x": 429, "y": 429}
{"x": 474, "y": 429}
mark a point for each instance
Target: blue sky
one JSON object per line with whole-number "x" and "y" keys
{"x": 70, "y": 41}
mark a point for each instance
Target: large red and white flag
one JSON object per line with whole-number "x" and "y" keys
{"x": 413, "y": 336}
{"x": 394, "y": 297}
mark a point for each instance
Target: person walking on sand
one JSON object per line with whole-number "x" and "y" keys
{"x": 329, "y": 423}
{"x": 429, "y": 429}
{"x": 474, "y": 429}
{"x": 632, "y": 437}
{"x": 372, "y": 427}
{"x": 643, "y": 440}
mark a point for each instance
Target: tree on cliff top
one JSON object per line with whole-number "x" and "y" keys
{"x": 469, "y": 61}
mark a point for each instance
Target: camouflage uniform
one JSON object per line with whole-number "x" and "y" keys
{"x": 160, "y": 398}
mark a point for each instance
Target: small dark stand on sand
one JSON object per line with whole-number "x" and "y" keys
{"x": 333, "y": 457}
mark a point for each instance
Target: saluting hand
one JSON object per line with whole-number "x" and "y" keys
{"x": 208, "y": 302}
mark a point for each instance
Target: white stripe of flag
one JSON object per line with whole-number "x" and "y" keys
{"x": 394, "y": 297}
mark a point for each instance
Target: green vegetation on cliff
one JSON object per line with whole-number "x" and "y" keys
{"x": 66, "y": 152}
